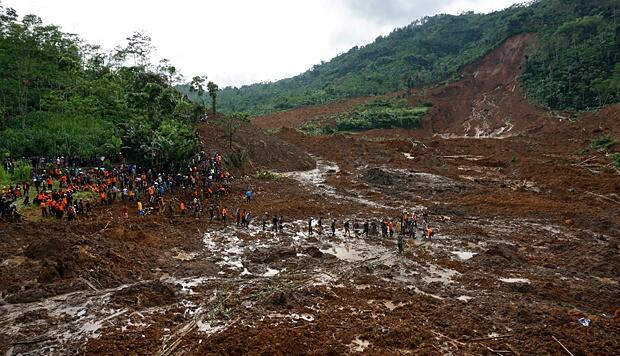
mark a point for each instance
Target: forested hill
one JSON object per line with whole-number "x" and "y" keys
{"x": 576, "y": 67}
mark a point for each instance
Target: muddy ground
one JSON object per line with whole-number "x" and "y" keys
{"x": 527, "y": 243}
{"x": 518, "y": 258}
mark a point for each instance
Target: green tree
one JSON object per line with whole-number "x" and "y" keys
{"x": 231, "y": 123}
{"x": 213, "y": 89}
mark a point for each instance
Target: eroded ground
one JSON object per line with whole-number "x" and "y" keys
{"x": 516, "y": 262}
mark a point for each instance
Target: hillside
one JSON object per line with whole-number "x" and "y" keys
{"x": 576, "y": 67}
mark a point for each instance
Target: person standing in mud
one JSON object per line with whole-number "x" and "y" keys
{"x": 400, "y": 243}
{"x": 373, "y": 227}
{"x": 429, "y": 233}
{"x": 333, "y": 228}
{"x": 383, "y": 228}
{"x": 274, "y": 223}
{"x": 238, "y": 216}
{"x": 281, "y": 223}
{"x": 319, "y": 228}
{"x": 366, "y": 228}
{"x": 246, "y": 219}
{"x": 347, "y": 228}
{"x": 310, "y": 226}
{"x": 211, "y": 212}
{"x": 264, "y": 220}
{"x": 224, "y": 215}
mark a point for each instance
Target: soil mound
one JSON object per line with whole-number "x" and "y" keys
{"x": 411, "y": 180}
{"x": 264, "y": 150}
{"x": 499, "y": 256}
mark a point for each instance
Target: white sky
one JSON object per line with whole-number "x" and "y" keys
{"x": 236, "y": 42}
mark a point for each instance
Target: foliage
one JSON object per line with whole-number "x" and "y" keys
{"x": 213, "y": 89}
{"x": 602, "y": 143}
{"x": 575, "y": 67}
{"x": 19, "y": 173}
{"x": 266, "y": 175}
{"x": 60, "y": 96}
{"x": 381, "y": 114}
{"x": 22, "y": 171}
{"x": 616, "y": 159}
{"x": 377, "y": 114}
{"x": 272, "y": 130}
{"x": 578, "y": 64}
{"x": 5, "y": 177}
{"x": 173, "y": 143}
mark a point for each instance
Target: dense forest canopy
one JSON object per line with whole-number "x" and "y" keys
{"x": 576, "y": 67}
{"x": 60, "y": 96}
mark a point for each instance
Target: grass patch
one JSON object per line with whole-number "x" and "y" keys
{"x": 272, "y": 131}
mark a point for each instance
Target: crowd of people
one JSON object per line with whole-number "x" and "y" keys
{"x": 408, "y": 225}
{"x": 56, "y": 184}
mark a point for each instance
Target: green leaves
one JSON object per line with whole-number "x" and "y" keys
{"x": 63, "y": 97}
{"x": 172, "y": 144}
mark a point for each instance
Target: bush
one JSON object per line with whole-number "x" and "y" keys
{"x": 381, "y": 114}
{"x": 22, "y": 171}
{"x": 602, "y": 143}
{"x": 616, "y": 159}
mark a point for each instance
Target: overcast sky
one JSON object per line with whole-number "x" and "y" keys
{"x": 236, "y": 42}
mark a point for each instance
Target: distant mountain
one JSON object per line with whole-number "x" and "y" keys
{"x": 576, "y": 67}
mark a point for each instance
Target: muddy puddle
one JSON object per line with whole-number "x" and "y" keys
{"x": 316, "y": 180}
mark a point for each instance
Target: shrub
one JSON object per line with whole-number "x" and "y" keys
{"x": 22, "y": 171}
{"x": 616, "y": 159}
{"x": 602, "y": 143}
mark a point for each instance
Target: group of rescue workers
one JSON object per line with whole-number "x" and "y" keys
{"x": 406, "y": 225}
{"x": 57, "y": 183}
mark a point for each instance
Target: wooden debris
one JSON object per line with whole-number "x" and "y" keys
{"x": 561, "y": 344}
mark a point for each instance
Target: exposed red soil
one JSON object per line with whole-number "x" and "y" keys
{"x": 296, "y": 117}
{"x": 530, "y": 206}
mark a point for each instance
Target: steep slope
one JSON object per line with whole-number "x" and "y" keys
{"x": 574, "y": 68}
{"x": 488, "y": 101}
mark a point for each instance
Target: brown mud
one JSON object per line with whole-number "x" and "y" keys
{"x": 527, "y": 243}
